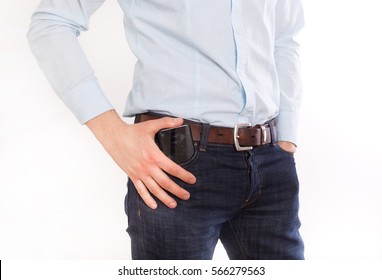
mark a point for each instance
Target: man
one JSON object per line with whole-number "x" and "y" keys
{"x": 217, "y": 65}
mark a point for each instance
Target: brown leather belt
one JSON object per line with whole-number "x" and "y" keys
{"x": 243, "y": 136}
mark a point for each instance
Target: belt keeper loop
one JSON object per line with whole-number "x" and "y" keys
{"x": 273, "y": 130}
{"x": 204, "y": 137}
{"x": 137, "y": 118}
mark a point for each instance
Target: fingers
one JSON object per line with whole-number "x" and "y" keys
{"x": 144, "y": 194}
{"x": 146, "y": 165}
{"x": 157, "y": 188}
{"x": 151, "y": 180}
{"x": 159, "y": 192}
{"x": 133, "y": 149}
{"x": 176, "y": 170}
{"x": 287, "y": 146}
{"x": 166, "y": 183}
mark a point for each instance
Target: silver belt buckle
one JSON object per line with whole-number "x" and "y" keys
{"x": 236, "y": 137}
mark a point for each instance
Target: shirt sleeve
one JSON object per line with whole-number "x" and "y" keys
{"x": 55, "y": 26}
{"x": 289, "y": 21}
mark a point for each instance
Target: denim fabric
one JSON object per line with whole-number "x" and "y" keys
{"x": 247, "y": 199}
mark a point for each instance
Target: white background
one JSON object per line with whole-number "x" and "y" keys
{"x": 61, "y": 196}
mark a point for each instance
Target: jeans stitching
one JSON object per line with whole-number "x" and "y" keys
{"x": 237, "y": 240}
{"x": 139, "y": 215}
{"x": 258, "y": 162}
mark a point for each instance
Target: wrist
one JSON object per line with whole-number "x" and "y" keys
{"x": 106, "y": 121}
{"x": 107, "y": 126}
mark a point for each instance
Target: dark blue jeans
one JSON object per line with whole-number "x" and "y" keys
{"x": 247, "y": 199}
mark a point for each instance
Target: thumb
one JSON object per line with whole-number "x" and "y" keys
{"x": 166, "y": 122}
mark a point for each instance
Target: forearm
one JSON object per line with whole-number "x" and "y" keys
{"x": 55, "y": 26}
{"x": 289, "y": 21}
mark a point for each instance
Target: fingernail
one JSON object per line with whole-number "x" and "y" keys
{"x": 186, "y": 196}
{"x": 192, "y": 180}
{"x": 153, "y": 206}
{"x": 172, "y": 204}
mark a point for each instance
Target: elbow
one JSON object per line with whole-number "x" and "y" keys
{"x": 32, "y": 33}
{"x": 44, "y": 24}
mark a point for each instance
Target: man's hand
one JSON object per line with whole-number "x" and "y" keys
{"x": 287, "y": 146}
{"x": 133, "y": 148}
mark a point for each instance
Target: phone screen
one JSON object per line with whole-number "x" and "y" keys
{"x": 176, "y": 143}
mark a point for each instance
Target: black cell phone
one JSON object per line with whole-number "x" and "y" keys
{"x": 176, "y": 143}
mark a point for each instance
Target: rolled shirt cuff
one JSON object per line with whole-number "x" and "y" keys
{"x": 287, "y": 123}
{"x": 86, "y": 100}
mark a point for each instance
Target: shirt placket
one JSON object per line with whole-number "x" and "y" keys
{"x": 242, "y": 53}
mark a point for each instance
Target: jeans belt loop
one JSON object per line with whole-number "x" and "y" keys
{"x": 204, "y": 137}
{"x": 273, "y": 130}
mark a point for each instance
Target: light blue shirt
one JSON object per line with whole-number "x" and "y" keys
{"x": 221, "y": 62}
